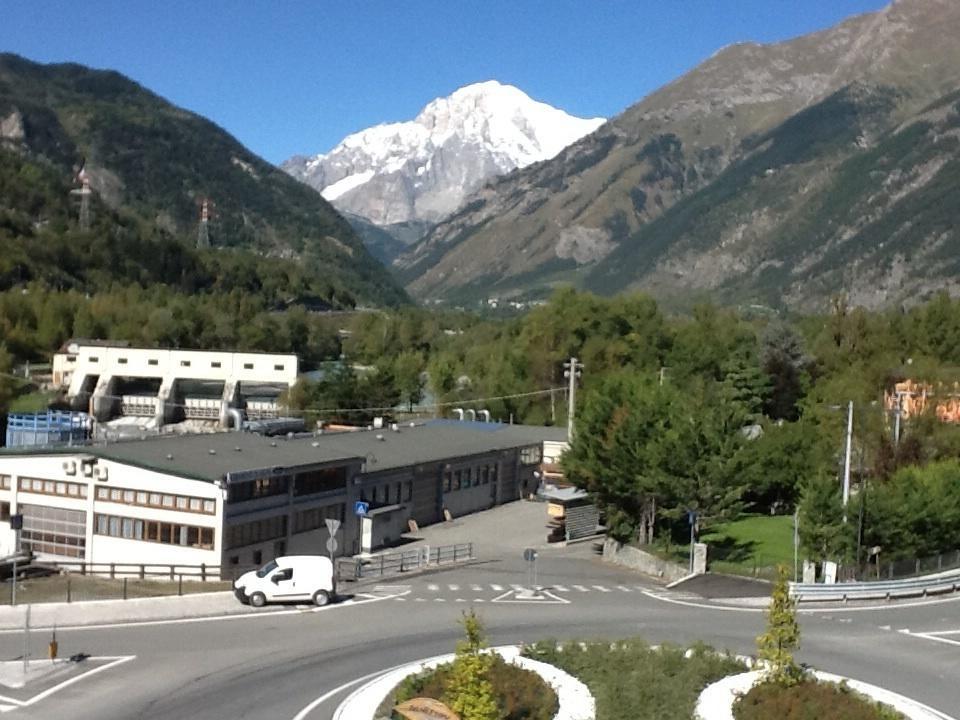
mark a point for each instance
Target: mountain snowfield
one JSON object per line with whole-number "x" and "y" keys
{"x": 422, "y": 170}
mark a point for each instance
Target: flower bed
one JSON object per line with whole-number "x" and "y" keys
{"x": 519, "y": 694}
{"x": 810, "y": 699}
{"x": 631, "y": 679}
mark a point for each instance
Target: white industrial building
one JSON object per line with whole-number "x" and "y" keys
{"x": 236, "y": 498}
{"x": 113, "y": 379}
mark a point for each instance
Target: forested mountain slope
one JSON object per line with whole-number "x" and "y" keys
{"x": 587, "y": 216}
{"x": 150, "y": 164}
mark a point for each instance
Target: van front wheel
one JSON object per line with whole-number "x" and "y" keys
{"x": 321, "y": 598}
{"x": 258, "y": 599}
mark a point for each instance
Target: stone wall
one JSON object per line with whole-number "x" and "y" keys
{"x": 637, "y": 559}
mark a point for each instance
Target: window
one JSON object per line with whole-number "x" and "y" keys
{"x": 4, "y": 511}
{"x": 278, "y": 367}
{"x": 121, "y": 361}
{"x": 476, "y": 476}
{"x": 399, "y": 494}
{"x": 153, "y": 361}
{"x": 142, "y": 498}
{"x": 485, "y": 475}
{"x": 447, "y": 480}
{"x": 56, "y": 531}
{"x": 94, "y": 358}
{"x": 318, "y": 481}
{"x": 531, "y": 455}
{"x": 457, "y": 479}
{"x": 71, "y": 358}
{"x": 216, "y": 364}
{"x": 53, "y": 487}
{"x": 184, "y": 363}
{"x": 4, "y": 482}
{"x": 256, "y": 531}
{"x": 248, "y": 366}
{"x": 258, "y": 488}
{"x": 154, "y": 531}
{"x": 408, "y": 495}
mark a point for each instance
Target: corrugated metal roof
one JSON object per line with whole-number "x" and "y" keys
{"x": 212, "y": 456}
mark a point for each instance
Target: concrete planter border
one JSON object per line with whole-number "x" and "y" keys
{"x": 574, "y": 698}
{"x": 717, "y": 700}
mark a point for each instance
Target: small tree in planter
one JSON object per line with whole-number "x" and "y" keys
{"x": 782, "y": 637}
{"x": 469, "y": 692}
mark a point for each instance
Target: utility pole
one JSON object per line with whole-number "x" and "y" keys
{"x": 898, "y": 413}
{"x": 203, "y": 232}
{"x": 846, "y": 462}
{"x": 84, "y": 193}
{"x": 573, "y": 370}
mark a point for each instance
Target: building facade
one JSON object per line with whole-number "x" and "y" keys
{"x": 239, "y": 499}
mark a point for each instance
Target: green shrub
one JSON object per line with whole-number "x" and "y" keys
{"x": 823, "y": 701}
{"x": 519, "y": 694}
{"x": 631, "y": 680}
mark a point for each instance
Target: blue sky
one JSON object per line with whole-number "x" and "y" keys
{"x": 296, "y": 76}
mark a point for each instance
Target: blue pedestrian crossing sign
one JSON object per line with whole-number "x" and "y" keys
{"x": 361, "y": 508}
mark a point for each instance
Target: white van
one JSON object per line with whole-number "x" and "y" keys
{"x": 294, "y": 577}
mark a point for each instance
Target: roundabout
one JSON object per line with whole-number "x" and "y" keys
{"x": 303, "y": 662}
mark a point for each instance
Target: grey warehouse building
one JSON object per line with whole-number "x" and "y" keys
{"x": 236, "y": 498}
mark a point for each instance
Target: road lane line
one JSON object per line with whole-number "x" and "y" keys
{"x": 50, "y": 691}
{"x": 580, "y": 588}
{"x": 601, "y": 588}
{"x": 496, "y": 588}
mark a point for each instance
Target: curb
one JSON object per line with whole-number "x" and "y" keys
{"x": 717, "y": 700}
{"x": 574, "y": 698}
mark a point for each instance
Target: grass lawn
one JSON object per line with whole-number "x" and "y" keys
{"x": 32, "y": 402}
{"x": 89, "y": 587}
{"x": 631, "y": 680}
{"x": 752, "y": 545}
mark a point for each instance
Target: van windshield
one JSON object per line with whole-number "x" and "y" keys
{"x": 267, "y": 569}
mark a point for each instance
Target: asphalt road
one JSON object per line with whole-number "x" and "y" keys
{"x": 274, "y": 665}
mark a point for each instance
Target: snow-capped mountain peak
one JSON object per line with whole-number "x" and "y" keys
{"x": 422, "y": 169}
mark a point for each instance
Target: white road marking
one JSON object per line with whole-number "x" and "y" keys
{"x": 400, "y": 599}
{"x": 545, "y": 598}
{"x": 624, "y": 588}
{"x": 936, "y": 637}
{"x": 439, "y": 599}
{"x": 433, "y": 587}
{"x": 476, "y": 588}
{"x": 419, "y": 599}
{"x": 601, "y": 588}
{"x": 337, "y": 690}
{"x": 516, "y": 587}
{"x": 943, "y": 632}
{"x": 581, "y": 588}
{"x": 496, "y": 588}
{"x": 115, "y": 660}
{"x": 561, "y": 588}
{"x": 460, "y": 600}
{"x": 453, "y": 588}
{"x": 479, "y": 600}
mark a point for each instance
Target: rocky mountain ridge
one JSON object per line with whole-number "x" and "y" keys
{"x": 422, "y": 169}
{"x": 560, "y": 220}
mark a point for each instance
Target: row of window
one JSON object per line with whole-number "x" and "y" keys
{"x": 154, "y": 531}
{"x": 256, "y": 531}
{"x": 53, "y": 487}
{"x": 305, "y": 483}
{"x": 215, "y": 364}
{"x": 44, "y": 542}
{"x": 469, "y": 477}
{"x": 142, "y": 498}
{"x": 388, "y": 493}
{"x": 316, "y": 517}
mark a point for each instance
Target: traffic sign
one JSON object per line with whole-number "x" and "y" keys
{"x": 361, "y": 508}
{"x": 529, "y": 554}
{"x": 332, "y": 545}
{"x": 332, "y": 526}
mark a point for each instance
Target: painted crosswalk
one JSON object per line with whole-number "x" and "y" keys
{"x": 484, "y": 592}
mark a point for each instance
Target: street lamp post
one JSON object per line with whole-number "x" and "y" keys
{"x": 573, "y": 370}
{"x": 846, "y": 462}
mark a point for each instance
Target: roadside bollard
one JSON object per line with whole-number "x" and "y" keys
{"x": 53, "y": 646}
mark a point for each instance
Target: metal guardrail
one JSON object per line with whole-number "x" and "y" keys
{"x": 357, "y": 568}
{"x": 882, "y": 590}
{"x": 143, "y": 571}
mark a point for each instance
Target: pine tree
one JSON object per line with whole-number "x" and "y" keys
{"x": 469, "y": 692}
{"x": 782, "y": 637}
